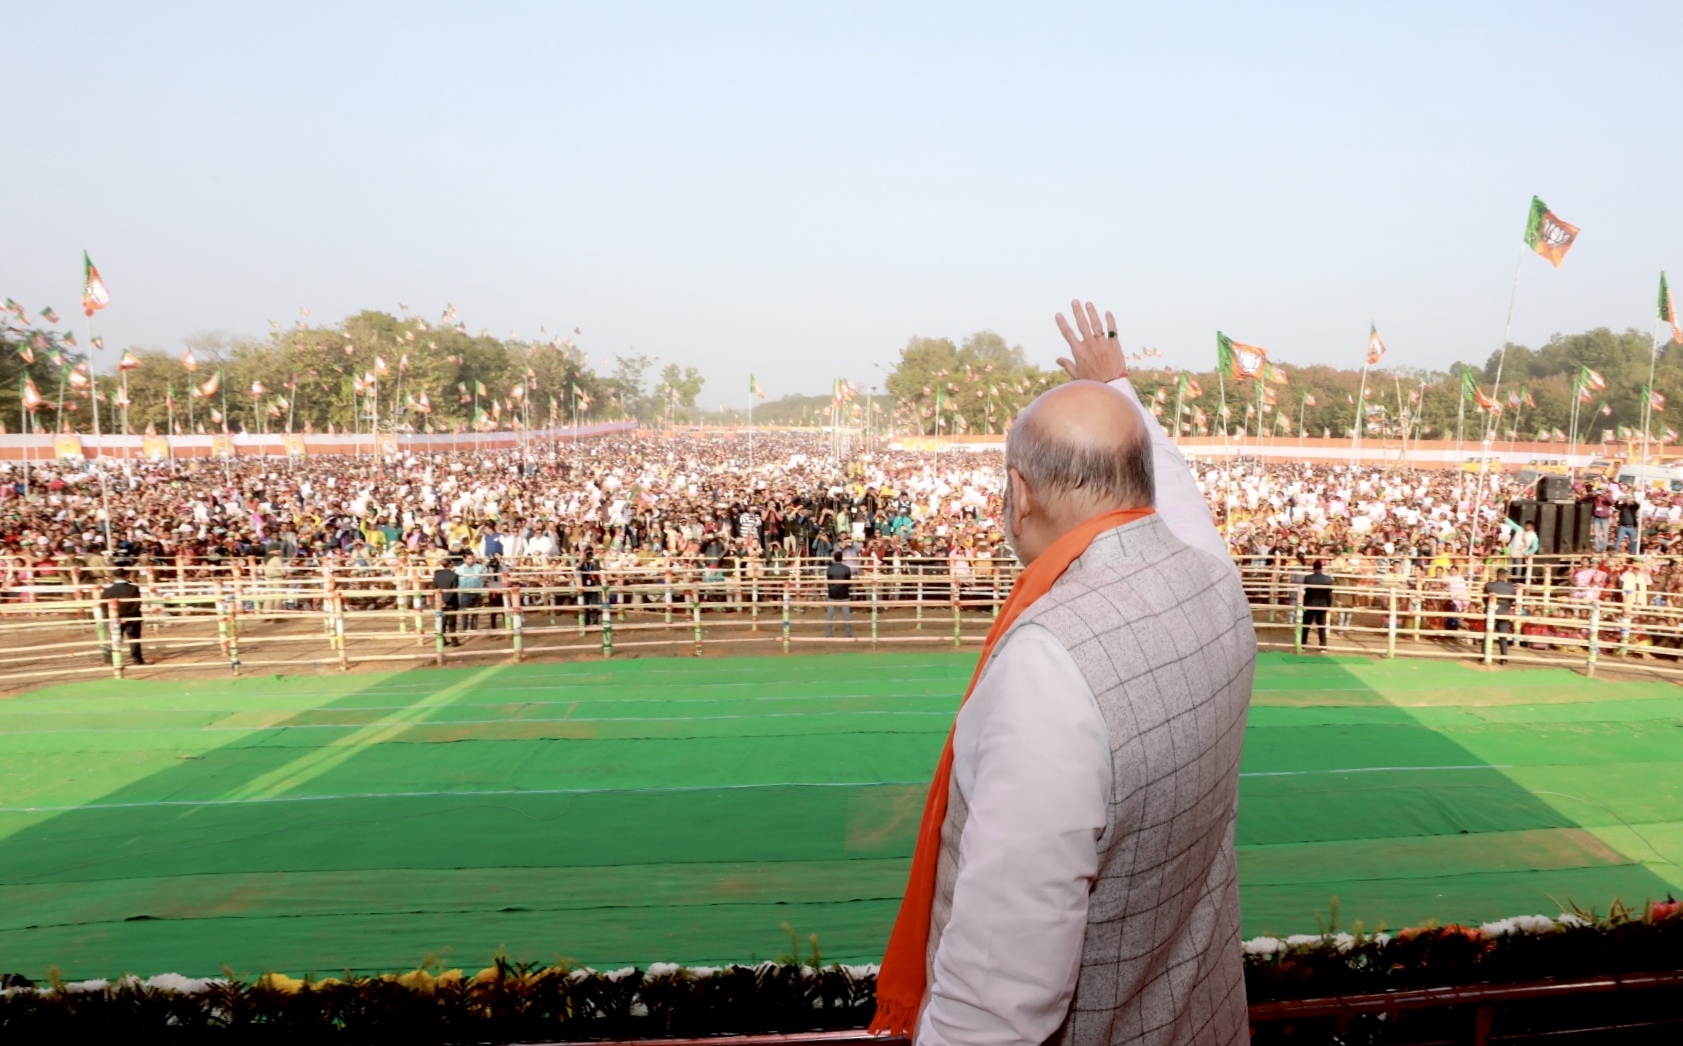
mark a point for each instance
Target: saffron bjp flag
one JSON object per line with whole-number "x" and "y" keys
{"x": 479, "y": 389}
{"x": 94, "y": 294}
{"x": 380, "y": 367}
{"x": 31, "y": 396}
{"x": 257, "y": 389}
{"x": 1656, "y": 399}
{"x": 1238, "y": 359}
{"x": 129, "y": 362}
{"x": 208, "y": 389}
{"x": 1375, "y": 345}
{"x": 1668, "y": 309}
{"x": 49, "y": 315}
{"x": 79, "y": 377}
{"x": 1594, "y": 380}
{"x": 1546, "y": 234}
{"x": 754, "y": 387}
{"x": 1308, "y": 399}
{"x": 189, "y": 361}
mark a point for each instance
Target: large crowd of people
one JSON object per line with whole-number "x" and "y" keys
{"x": 719, "y": 502}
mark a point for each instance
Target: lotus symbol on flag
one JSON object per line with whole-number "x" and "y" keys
{"x": 1249, "y": 358}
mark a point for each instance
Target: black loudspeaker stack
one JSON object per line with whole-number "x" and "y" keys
{"x": 1554, "y": 488}
{"x": 1563, "y": 528}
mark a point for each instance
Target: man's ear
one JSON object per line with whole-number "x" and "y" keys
{"x": 1023, "y": 504}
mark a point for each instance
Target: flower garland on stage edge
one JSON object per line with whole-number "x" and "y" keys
{"x": 1525, "y": 948}
{"x": 509, "y": 1002}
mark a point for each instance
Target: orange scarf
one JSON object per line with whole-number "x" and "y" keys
{"x": 902, "y": 980}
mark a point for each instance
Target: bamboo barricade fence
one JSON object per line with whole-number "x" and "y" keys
{"x": 333, "y": 618}
{"x": 326, "y": 617}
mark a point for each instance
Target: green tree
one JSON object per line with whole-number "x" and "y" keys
{"x": 681, "y": 384}
{"x": 976, "y": 387}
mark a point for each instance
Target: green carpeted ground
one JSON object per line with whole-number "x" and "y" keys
{"x": 683, "y": 810}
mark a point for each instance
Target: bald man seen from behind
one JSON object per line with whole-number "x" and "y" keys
{"x": 1074, "y": 879}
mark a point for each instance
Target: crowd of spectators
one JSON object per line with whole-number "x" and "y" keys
{"x": 723, "y": 503}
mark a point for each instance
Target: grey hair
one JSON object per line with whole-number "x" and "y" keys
{"x": 1119, "y": 475}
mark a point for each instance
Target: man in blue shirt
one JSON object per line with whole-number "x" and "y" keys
{"x": 470, "y": 590}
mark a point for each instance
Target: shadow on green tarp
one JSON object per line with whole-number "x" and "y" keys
{"x": 679, "y": 810}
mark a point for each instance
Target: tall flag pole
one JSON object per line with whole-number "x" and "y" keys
{"x": 1240, "y": 361}
{"x": 1375, "y": 353}
{"x": 1549, "y": 237}
{"x": 95, "y": 296}
{"x": 754, "y": 392}
{"x": 1668, "y": 312}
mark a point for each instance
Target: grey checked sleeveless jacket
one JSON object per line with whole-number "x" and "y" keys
{"x": 1162, "y": 634}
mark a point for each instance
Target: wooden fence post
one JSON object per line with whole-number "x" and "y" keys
{"x": 102, "y": 630}
{"x": 873, "y": 612}
{"x": 114, "y": 615}
{"x": 339, "y": 630}
{"x": 785, "y": 618}
{"x": 607, "y": 619}
{"x": 1391, "y": 623}
{"x": 234, "y": 635}
{"x": 400, "y": 583}
{"x": 221, "y": 605}
{"x": 695, "y": 610}
{"x": 438, "y": 627}
{"x": 516, "y": 620}
{"x": 1594, "y": 636}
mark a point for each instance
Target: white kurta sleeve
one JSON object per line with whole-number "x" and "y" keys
{"x": 1179, "y": 500}
{"x": 1032, "y": 759}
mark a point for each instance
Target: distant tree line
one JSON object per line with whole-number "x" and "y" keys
{"x": 373, "y": 368}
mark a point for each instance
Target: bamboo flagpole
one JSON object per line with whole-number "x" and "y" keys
{"x": 1668, "y": 312}
{"x": 1550, "y": 237}
{"x": 94, "y": 298}
{"x": 1180, "y": 399}
{"x": 1375, "y": 353}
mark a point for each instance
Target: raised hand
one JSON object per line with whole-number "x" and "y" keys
{"x": 1096, "y": 350}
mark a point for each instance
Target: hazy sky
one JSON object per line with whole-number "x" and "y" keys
{"x": 794, "y": 189}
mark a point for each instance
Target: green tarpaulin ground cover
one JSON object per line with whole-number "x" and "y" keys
{"x": 684, "y": 810}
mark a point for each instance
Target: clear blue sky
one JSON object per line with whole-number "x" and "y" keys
{"x": 794, "y": 189}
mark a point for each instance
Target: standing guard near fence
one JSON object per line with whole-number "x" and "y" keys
{"x": 590, "y": 584}
{"x": 1317, "y": 602}
{"x": 445, "y": 581}
{"x": 1502, "y": 593}
{"x": 126, "y": 596}
{"x": 840, "y": 583}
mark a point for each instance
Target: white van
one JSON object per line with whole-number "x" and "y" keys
{"x": 1650, "y": 477}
